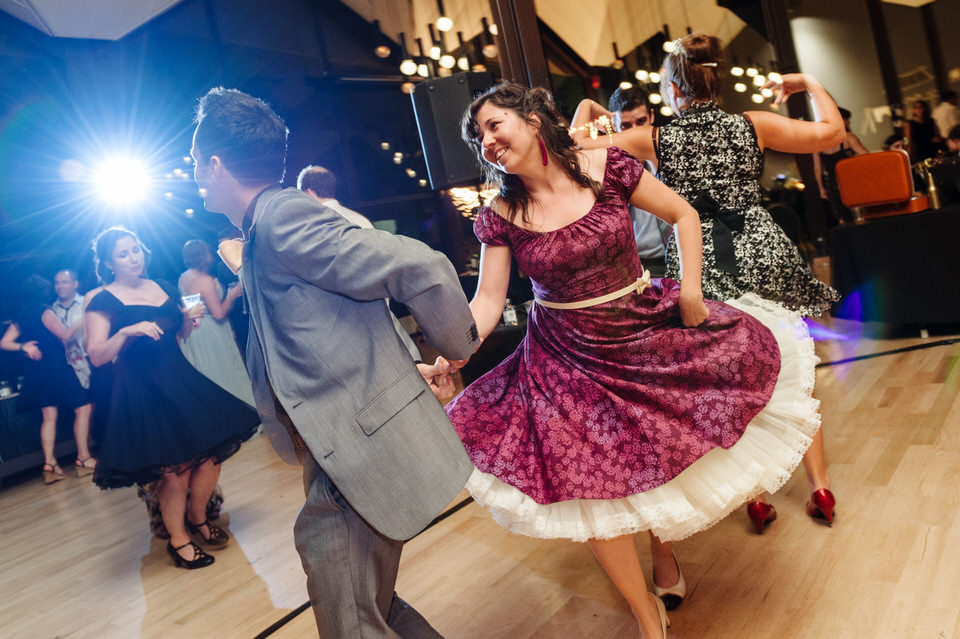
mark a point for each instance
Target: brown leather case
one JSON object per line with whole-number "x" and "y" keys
{"x": 874, "y": 179}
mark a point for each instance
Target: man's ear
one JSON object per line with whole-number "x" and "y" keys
{"x": 216, "y": 166}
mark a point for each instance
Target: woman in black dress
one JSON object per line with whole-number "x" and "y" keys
{"x": 825, "y": 170}
{"x": 165, "y": 421}
{"x": 48, "y": 379}
{"x": 923, "y": 136}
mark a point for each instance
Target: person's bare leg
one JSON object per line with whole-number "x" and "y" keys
{"x": 618, "y": 557}
{"x": 203, "y": 481}
{"x": 48, "y": 434}
{"x": 81, "y": 434}
{"x": 172, "y": 496}
{"x": 816, "y": 465}
{"x": 666, "y": 572}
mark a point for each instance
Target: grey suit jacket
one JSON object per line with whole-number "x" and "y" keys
{"x": 322, "y": 336}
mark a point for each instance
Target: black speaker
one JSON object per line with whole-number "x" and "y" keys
{"x": 439, "y": 105}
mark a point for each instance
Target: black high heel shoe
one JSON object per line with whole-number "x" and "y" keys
{"x": 218, "y": 537}
{"x": 200, "y": 558}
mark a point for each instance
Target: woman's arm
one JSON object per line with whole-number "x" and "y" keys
{"x": 796, "y": 136}
{"x": 101, "y": 347}
{"x": 487, "y": 303}
{"x": 207, "y": 288}
{"x": 9, "y": 342}
{"x": 856, "y": 144}
{"x": 637, "y": 141}
{"x": 190, "y": 318}
{"x": 653, "y": 196}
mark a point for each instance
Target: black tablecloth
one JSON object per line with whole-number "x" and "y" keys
{"x": 899, "y": 270}
{"x": 499, "y": 345}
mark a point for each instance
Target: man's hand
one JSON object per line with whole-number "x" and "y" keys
{"x": 437, "y": 375}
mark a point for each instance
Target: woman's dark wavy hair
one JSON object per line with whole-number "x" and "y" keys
{"x": 103, "y": 245}
{"x": 553, "y": 131}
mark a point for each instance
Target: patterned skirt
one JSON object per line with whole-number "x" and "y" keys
{"x": 770, "y": 266}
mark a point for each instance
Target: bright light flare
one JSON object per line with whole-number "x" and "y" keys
{"x": 121, "y": 181}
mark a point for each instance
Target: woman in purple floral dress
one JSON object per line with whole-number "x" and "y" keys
{"x": 630, "y": 405}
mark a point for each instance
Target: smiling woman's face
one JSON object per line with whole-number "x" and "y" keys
{"x": 507, "y": 139}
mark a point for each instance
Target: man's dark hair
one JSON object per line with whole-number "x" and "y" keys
{"x": 954, "y": 133}
{"x": 318, "y": 179}
{"x": 627, "y": 99}
{"x": 245, "y": 133}
{"x": 948, "y": 95}
{"x": 844, "y": 113}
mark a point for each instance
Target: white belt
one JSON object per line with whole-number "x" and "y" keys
{"x": 639, "y": 286}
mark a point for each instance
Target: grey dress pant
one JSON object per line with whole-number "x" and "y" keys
{"x": 351, "y": 568}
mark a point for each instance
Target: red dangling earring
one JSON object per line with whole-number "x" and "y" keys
{"x": 543, "y": 150}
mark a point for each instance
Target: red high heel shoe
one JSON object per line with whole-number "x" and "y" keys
{"x": 761, "y": 514}
{"x": 821, "y": 505}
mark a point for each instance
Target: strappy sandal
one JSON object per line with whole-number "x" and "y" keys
{"x": 51, "y": 476}
{"x": 200, "y": 558}
{"x": 82, "y": 468}
{"x": 217, "y": 537}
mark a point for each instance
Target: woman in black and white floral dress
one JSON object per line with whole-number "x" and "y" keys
{"x": 714, "y": 159}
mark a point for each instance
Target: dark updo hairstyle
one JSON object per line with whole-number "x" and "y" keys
{"x": 553, "y": 131}
{"x": 103, "y": 245}
{"x": 694, "y": 66}
{"x": 197, "y": 254}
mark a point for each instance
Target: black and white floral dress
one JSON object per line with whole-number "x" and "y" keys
{"x": 712, "y": 159}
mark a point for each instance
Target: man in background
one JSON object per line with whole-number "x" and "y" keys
{"x": 69, "y": 310}
{"x": 321, "y": 184}
{"x": 631, "y": 107}
{"x": 947, "y": 113}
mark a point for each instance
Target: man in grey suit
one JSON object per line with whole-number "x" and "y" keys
{"x": 335, "y": 383}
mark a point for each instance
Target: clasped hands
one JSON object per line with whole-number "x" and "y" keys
{"x": 438, "y": 376}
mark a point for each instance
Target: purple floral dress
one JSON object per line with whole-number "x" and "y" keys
{"x": 613, "y": 400}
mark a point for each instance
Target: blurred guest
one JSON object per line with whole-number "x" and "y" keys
{"x": 631, "y": 107}
{"x": 825, "y": 168}
{"x": 68, "y": 308}
{"x": 165, "y": 421}
{"x": 210, "y": 347}
{"x": 947, "y": 113}
{"x": 953, "y": 139}
{"x": 923, "y": 139}
{"x": 49, "y": 381}
{"x": 321, "y": 184}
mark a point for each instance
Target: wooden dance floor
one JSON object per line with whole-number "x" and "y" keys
{"x": 78, "y": 562}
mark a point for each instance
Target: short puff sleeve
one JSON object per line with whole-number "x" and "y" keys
{"x": 491, "y": 229}
{"x": 104, "y": 302}
{"x": 623, "y": 171}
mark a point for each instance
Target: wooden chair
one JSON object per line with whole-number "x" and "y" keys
{"x": 879, "y": 185}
